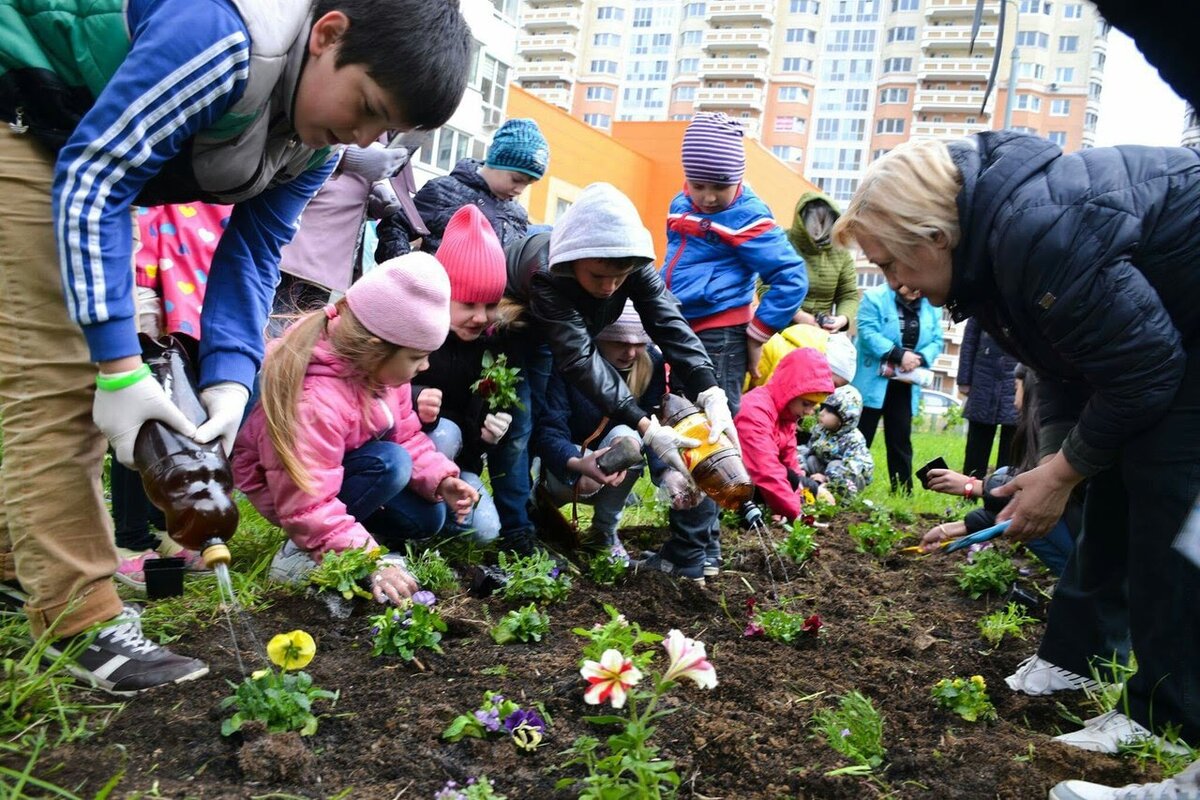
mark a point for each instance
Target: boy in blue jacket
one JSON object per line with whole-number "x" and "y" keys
{"x": 720, "y": 238}
{"x": 114, "y": 102}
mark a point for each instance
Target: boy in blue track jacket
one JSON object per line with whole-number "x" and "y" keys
{"x": 720, "y": 237}
{"x": 109, "y": 103}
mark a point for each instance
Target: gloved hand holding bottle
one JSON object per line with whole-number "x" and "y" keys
{"x": 720, "y": 420}
{"x": 226, "y": 404}
{"x": 126, "y": 400}
{"x": 665, "y": 442}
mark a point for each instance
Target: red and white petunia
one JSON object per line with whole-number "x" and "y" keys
{"x": 610, "y": 678}
{"x": 688, "y": 660}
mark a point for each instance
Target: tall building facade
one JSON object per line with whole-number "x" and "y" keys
{"x": 827, "y": 85}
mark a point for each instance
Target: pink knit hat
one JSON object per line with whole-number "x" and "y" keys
{"x": 404, "y": 301}
{"x": 473, "y": 258}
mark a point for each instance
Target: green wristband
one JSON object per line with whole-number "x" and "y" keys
{"x": 108, "y": 384}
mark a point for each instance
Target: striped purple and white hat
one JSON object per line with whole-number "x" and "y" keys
{"x": 712, "y": 149}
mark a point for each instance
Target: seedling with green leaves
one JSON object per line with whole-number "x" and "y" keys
{"x": 497, "y": 383}
{"x": 801, "y": 542}
{"x": 966, "y": 697}
{"x": 1009, "y": 621}
{"x": 405, "y": 630}
{"x": 854, "y": 729}
{"x": 988, "y": 571}
{"x": 877, "y": 536}
{"x": 525, "y": 624}
{"x": 618, "y": 634}
{"x": 344, "y": 572}
{"x": 534, "y": 578}
{"x": 430, "y": 569}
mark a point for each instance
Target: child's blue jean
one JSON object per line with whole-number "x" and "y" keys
{"x": 483, "y": 522}
{"x": 374, "y": 490}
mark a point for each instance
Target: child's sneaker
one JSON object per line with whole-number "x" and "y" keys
{"x": 712, "y": 557}
{"x": 291, "y": 565}
{"x": 123, "y": 662}
{"x": 655, "y": 562}
{"x": 132, "y": 569}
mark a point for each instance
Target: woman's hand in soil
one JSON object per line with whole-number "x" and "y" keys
{"x": 947, "y": 481}
{"x": 392, "y": 583}
{"x": 429, "y": 405}
{"x": 1039, "y": 497}
{"x": 459, "y": 495}
{"x": 940, "y": 533}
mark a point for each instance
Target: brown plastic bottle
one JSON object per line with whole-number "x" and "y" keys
{"x": 717, "y": 468}
{"x": 192, "y": 483}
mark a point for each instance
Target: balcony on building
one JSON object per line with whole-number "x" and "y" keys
{"x": 540, "y": 19}
{"x": 946, "y": 130}
{"x": 958, "y": 37}
{"x": 752, "y": 69}
{"x": 952, "y": 9}
{"x": 761, "y": 11}
{"x": 710, "y": 98}
{"x": 548, "y": 45}
{"x": 954, "y": 69}
{"x": 740, "y": 39}
{"x": 959, "y": 101}
{"x": 546, "y": 71}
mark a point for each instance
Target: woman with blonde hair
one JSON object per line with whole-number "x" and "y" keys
{"x": 333, "y": 452}
{"x": 1083, "y": 267}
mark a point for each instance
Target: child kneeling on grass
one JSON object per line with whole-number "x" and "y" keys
{"x": 333, "y": 452}
{"x": 766, "y": 425}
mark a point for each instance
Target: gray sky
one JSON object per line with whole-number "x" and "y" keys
{"x": 1136, "y": 106}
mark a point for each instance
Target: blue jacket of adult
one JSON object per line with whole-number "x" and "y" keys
{"x": 1082, "y": 266}
{"x": 879, "y": 335}
{"x": 988, "y": 370}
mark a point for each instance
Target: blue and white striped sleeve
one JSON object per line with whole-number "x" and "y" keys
{"x": 187, "y": 64}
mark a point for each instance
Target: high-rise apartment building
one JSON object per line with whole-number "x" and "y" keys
{"x": 827, "y": 85}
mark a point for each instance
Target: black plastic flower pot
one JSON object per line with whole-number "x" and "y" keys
{"x": 164, "y": 577}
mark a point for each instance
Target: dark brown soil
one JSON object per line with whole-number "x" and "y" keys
{"x": 892, "y": 629}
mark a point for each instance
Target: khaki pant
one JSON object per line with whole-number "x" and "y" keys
{"x": 56, "y": 534}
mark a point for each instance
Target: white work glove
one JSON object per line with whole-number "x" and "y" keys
{"x": 127, "y": 400}
{"x": 665, "y": 442}
{"x": 680, "y": 490}
{"x": 225, "y": 403}
{"x": 716, "y": 408}
{"x": 495, "y": 426}
{"x": 392, "y": 581}
{"x": 375, "y": 161}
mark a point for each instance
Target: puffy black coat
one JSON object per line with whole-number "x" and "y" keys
{"x": 1083, "y": 267}
{"x": 567, "y": 318}
{"x": 988, "y": 370}
{"x": 437, "y": 201}
{"x": 1165, "y": 32}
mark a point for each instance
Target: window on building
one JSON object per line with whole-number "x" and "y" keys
{"x": 893, "y": 95}
{"x": 1094, "y": 90}
{"x": 506, "y": 8}
{"x": 687, "y": 66}
{"x": 804, "y": 7}
{"x": 822, "y": 158}
{"x": 792, "y": 94}
{"x": 906, "y": 5}
{"x": 844, "y": 189}
{"x": 839, "y": 42}
{"x": 889, "y": 125}
{"x": 849, "y": 158}
{"x": 598, "y": 120}
{"x": 610, "y": 12}
{"x": 1029, "y": 70}
{"x": 864, "y": 41}
{"x": 907, "y": 33}
{"x": 1064, "y": 75}
{"x": 1028, "y": 102}
{"x": 880, "y": 153}
{"x": 493, "y": 83}
{"x": 1068, "y": 44}
{"x": 1035, "y": 7}
{"x": 1072, "y": 10}
{"x": 681, "y": 117}
{"x": 1089, "y": 121}
{"x": 1058, "y": 137}
{"x": 642, "y": 17}
{"x": 685, "y": 92}
{"x": 693, "y": 10}
{"x": 606, "y": 40}
{"x": 1033, "y": 39}
{"x": 827, "y": 131}
{"x": 797, "y": 65}
{"x": 605, "y": 93}
{"x": 1060, "y": 108}
{"x": 603, "y": 66}
{"x": 897, "y": 65}
{"x": 787, "y": 152}
{"x": 1098, "y": 60}
{"x": 801, "y": 35}
{"x": 691, "y": 38}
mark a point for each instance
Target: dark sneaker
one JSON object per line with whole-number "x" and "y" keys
{"x": 523, "y": 543}
{"x": 655, "y": 562}
{"x": 121, "y": 661}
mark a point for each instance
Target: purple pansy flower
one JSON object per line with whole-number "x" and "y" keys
{"x": 489, "y": 719}
{"x": 524, "y": 716}
{"x": 424, "y": 598}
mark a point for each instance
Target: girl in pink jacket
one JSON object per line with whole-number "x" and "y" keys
{"x": 333, "y": 452}
{"x": 766, "y": 426}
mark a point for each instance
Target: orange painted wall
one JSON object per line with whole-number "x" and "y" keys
{"x": 642, "y": 160}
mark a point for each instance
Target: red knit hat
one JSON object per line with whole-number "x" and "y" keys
{"x": 472, "y": 257}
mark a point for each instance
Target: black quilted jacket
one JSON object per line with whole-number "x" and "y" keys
{"x": 1083, "y": 267}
